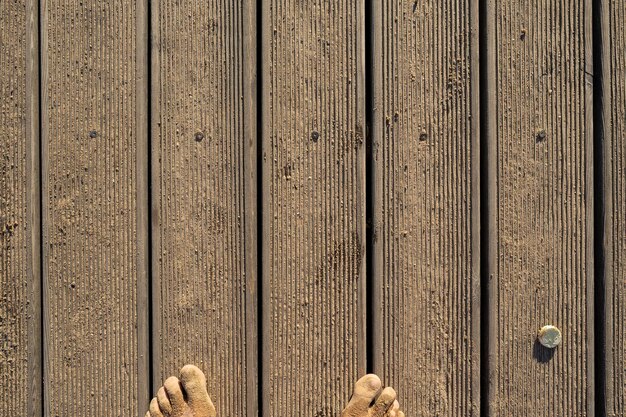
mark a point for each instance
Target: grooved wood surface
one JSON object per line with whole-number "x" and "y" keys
{"x": 426, "y": 205}
{"x": 204, "y": 260}
{"x": 313, "y": 164}
{"x": 94, "y": 362}
{"x": 19, "y": 211}
{"x": 614, "y": 164}
{"x": 540, "y": 206}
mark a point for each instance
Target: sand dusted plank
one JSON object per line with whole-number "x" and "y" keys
{"x": 95, "y": 207}
{"x": 20, "y": 277}
{"x": 313, "y": 162}
{"x": 426, "y": 204}
{"x": 540, "y": 186}
{"x": 613, "y": 194}
{"x": 204, "y": 196}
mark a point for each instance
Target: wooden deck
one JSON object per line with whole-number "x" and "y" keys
{"x": 290, "y": 194}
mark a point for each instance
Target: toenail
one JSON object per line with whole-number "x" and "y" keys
{"x": 374, "y": 385}
{"x": 373, "y": 382}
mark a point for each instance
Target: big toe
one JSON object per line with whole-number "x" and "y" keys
{"x": 365, "y": 391}
{"x": 194, "y": 385}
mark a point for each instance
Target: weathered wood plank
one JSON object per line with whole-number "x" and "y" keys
{"x": 95, "y": 207}
{"x": 204, "y": 196}
{"x": 313, "y": 166}
{"x": 425, "y": 162}
{"x": 614, "y": 196}
{"x": 20, "y": 314}
{"x": 540, "y": 187}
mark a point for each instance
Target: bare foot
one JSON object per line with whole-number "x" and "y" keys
{"x": 186, "y": 397}
{"x": 368, "y": 400}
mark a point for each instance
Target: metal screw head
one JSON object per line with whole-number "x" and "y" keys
{"x": 315, "y": 136}
{"x": 550, "y": 336}
{"x": 199, "y": 136}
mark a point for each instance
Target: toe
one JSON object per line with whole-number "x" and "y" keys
{"x": 384, "y": 402}
{"x": 400, "y": 414}
{"x": 393, "y": 411}
{"x": 155, "y": 410}
{"x": 164, "y": 402}
{"x": 395, "y": 406}
{"x": 365, "y": 391}
{"x": 175, "y": 395}
{"x": 193, "y": 380}
{"x": 194, "y": 385}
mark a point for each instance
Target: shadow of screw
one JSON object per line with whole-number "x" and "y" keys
{"x": 541, "y": 353}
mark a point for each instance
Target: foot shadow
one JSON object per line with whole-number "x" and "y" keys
{"x": 541, "y": 353}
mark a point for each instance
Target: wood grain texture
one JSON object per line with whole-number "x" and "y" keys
{"x": 94, "y": 130}
{"x": 313, "y": 165}
{"x": 614, "y": 192}
{"x": 426, "y": 205}
{"x": 540, "y": 179}
{"x": 204, "y": 196}
{"x": 20, "y": 321}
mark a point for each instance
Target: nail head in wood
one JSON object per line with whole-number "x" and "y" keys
{"x": 550, "y": 336}
{"x": 541, "y": 135}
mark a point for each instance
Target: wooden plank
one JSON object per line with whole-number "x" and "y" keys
{"x": 613, "y": 75}
{"x": 20, "y": 275}
{"x": 313, "y": 165}
{"x": 426, "y": 264}
{"x": 540, "y": 188}
{"x": 95, "y": 207}
{"x": 204, "y": 196}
